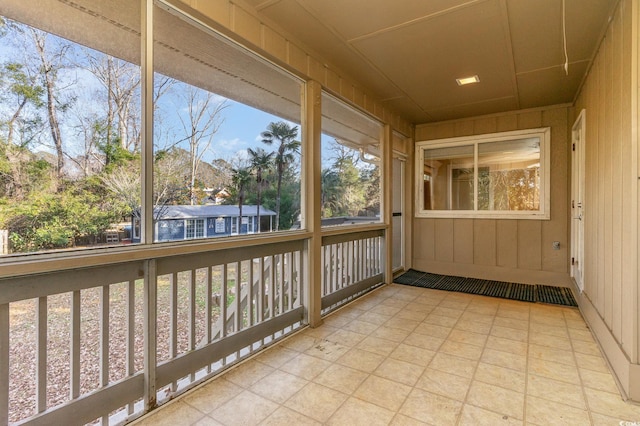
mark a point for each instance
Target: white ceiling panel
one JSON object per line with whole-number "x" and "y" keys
{"x": 380, "y": 15}
{"x": 439, "y": 53}
{"x": 409, "y": 52}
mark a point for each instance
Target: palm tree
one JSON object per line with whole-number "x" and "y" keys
{"x": 260, "y": 161}
{"x": 286, "y": 136}
{"x": 240, "y": 178}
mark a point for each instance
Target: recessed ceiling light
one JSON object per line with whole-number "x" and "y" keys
{"x": 467, "y": 80}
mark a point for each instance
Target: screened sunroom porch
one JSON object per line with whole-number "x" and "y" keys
{"x": 111, "y": 332}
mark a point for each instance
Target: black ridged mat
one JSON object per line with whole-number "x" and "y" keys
{"x": 515, "y": 291}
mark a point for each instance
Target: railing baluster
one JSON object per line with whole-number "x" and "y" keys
{"x": 338, "y": 281}
{"x": 250, "y": 295}
{"x": 131, "y": 334}
{"x": 272, "y": 295}
{"x": 261, "y": 292}
{"x": 223, "y": 302}
{"x": 192, "y": 315}
{"x": 281, "y": 283}
{"x": 369, "y": 256}
{"x": 301, "y": 273}
{"x": 323, "y": 259}
{"x": 334, "y": 268}
{"x": 343, "y": 266}
{"x": 207, "y": 305}
{"x": 379, "y": 253}
{"x": 238, "y": 300}
{"x": 290, "y": 304}
{"x": 74, "y": 367}
{"x": 4, "y": 364}
{"x": 41, "y": 350}
{"x": 261, "y": 295}
{"x": 365, "y": 258}
{"x": 173, "y": 320}
{"x": 362, "y": 259}
{"x": 374, "y": 256}
{"x": 104, "y": 342}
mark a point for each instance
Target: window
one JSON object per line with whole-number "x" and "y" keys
{"x": 350, "y": 165}
{"x": 195, "y": 228}
{"x": 500, "y": 175}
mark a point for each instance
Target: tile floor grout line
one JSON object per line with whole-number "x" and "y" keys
{"x": 526, "y": 371}
{"x": 575, "y": 359}
{"x": 475, "y": 370}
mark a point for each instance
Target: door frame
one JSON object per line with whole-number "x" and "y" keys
{"x": 577, "y": 207}
{"x": 403, "y": 162}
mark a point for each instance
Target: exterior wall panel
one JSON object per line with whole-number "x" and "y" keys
{"x": 506, "y": 240}
{"x": 609, "y": 96}
{"x": 504, "y": 249}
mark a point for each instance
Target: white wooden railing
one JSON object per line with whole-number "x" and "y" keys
{"x": 108, "y": 343}
{"x": 353, "y": 264}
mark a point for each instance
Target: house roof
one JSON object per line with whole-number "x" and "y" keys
{"x": 186, "y": 212}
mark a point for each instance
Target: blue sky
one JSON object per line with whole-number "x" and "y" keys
{"x": 240, "y": 130}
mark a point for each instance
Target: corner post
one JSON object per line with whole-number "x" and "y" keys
{"x": 387, "y": 201}
{"x": 311, "y": 200}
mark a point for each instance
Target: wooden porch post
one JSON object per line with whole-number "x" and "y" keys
{"x": 387, "y": 201}
{"x": 311, "y": 198}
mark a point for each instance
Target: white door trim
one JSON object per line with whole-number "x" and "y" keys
{"x": 576, "y": 264}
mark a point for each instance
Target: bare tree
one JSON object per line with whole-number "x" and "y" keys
{"x": 200, "y": 123}
{"x": 121, "y": 81}
{"x": 51, "y": 62}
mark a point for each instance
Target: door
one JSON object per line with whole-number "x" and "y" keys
{"x": 397, "y": 221}
{"x": 577, "y": 200}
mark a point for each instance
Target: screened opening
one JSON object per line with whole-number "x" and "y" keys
{"x": 350, "y": 165}
{"x": 69, "y": 124}
{"x": 226, "y": 134}
{"x": 226, "y": 129}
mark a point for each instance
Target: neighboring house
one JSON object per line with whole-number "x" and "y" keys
{"x": 177, "y": 223}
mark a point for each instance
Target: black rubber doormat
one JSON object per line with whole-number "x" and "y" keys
{"x": 515, "y": 291}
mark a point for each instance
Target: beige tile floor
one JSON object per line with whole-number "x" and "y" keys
{"x": 404, "y": 355}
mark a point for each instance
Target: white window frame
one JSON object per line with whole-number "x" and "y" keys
{"x": 198, "y": 229}
{"x": 544, "y": 211}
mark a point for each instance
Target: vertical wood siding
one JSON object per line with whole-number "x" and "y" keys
{"x": 611, "y": 212}
{"x": 489, "y": 247}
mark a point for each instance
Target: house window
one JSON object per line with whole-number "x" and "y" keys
{"x": 234, "y": 225}
{"x": 499, "y": 175}
{"x": 195, "y": 228}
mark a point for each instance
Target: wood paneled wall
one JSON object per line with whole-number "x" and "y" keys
{"x": 502, "y": 249}
{"x": 610, "y": 98}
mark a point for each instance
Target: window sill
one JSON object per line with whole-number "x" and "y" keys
{"x": 450, "y": 214}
